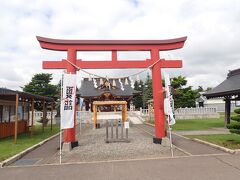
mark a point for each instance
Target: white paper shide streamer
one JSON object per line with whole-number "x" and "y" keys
{"x": 121, "y": 84}
{"x": 131, "y": 82}
{"x": 95, "y": 83}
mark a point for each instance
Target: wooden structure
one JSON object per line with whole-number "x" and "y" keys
{"x": 96, "y": 104}
{"x": 11, "y": 101}
{"x": 155, "y": 63}
{"x": 229, "y": 89}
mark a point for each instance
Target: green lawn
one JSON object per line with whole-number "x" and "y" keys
{"x": 195, "y": 124}
{"x": 231, "y": 141}
{"x": 24, "y": 141}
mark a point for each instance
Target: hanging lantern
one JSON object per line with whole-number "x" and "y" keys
{"x": 126, "y": 81}
{"x": 114, "y": 82}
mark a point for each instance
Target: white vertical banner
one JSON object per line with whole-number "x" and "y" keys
{"x": 168, "y": 101}
{"x": 68, "y": 101}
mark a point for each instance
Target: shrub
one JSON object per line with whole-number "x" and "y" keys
{"x": 235, "y": 128}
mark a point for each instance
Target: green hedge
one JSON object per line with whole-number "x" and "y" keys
{"x": 236, "y": 131}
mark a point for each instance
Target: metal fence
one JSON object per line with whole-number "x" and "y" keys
{"x": 196, "y": 113}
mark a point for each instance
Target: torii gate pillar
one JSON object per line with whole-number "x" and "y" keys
{"x": 154, "y": 46}
{"x": 158, "y": 99}
{"x": 69, "y": 134}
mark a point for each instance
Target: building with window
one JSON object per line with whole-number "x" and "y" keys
{"x": 17, "y": 111}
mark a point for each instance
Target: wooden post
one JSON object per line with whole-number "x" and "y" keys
{"x": 124, "y": 112}
{"x": 44, "y": 115}
{"x": 32, "y": 126}
{"x": 16, "y": 119}
{"x": 51, "y": 115}
{"x": 124, "y": 117}
{"x": 23, "y": 109}
{"x": 227, "y": 111}
{"x": 95, "y": 116}
{"x": 28, "y": 118}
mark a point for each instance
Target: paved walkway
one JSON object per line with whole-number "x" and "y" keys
{"x": 189, "y": 146}
{"x": 200, "y": 162}
{"x": 205, "y": 132}
{"x": 187, "y": 168}
{"x": 48, "y": 153}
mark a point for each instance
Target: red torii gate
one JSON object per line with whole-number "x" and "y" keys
{"x": 154, "y": 46}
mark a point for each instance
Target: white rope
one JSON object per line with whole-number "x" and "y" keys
{"x": 95, "y": 75}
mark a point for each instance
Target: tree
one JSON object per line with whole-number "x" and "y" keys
{"x": 147, "y": 90}
{"x": 184, "y": 96}
{"x": 209, "y": 88}
{"x": 235, "y": 128}
{"x": 200, "y": 89}
{"x": 178, "y": 82}
{"x": 138, "y": 100}
{"x": 40, "y": 85}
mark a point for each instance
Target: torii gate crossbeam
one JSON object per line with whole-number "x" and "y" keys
{"x": 154, "y": 46}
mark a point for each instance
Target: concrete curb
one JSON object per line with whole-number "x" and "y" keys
{"x": 205, "y": 142}
{"x": 21, "y": 154}
{"x": 180, "y": 149}
{"x": 217, "y": 146}
{"x": 149, "y": 124}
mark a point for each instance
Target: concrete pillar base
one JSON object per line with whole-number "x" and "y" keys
{"x": 165, "y": 142}
{"x": 67, "y": 147}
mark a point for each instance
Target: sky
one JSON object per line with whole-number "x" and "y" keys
{"x": 211, "y": 50}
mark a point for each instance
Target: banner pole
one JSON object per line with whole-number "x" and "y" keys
{"x": 170, "y": 137}
{"x": 60, "y": 150}
{"x": 60, "y": 141}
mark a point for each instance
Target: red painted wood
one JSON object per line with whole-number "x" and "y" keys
{"x": 158, "y": 96}
{"x": 54, "y": 64}
{"x": 110, "y": 45}
{"x": 7, "y": 128}
{"x": 154, "y": 46}
{"x": 112, "y": 64}
{"x": 109, "y": 42}
{"x": 69, "y": 134}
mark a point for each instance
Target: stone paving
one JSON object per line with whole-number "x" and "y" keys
{"x": 93, "y": 148}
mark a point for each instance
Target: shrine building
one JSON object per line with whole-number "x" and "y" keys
{"x": 99, "y": 89}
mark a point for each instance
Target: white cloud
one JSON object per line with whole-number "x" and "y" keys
{"x": 212, "y": 27}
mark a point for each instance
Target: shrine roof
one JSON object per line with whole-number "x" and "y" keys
{"x": 229, "y": 87}
{"x": 87, "y": 89}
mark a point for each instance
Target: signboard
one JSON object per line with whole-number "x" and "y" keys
{"x": 126, "y": 125}
{"x": 68, "y": 101}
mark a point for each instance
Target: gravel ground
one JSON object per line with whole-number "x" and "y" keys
{"x": 93, "y": 148}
